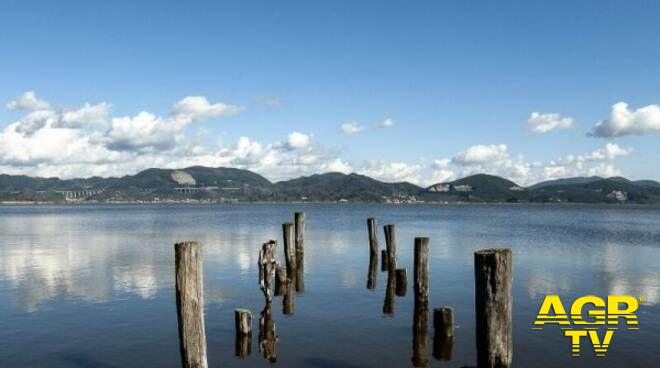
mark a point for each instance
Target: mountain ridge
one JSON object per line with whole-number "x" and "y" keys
{"x": 220, "y": 184}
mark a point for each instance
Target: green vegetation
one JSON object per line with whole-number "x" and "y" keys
{"x": 221, "y": 184}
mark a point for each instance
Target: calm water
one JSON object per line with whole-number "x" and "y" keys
{"x": 84, "y": 286}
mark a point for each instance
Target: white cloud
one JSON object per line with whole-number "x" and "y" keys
{"x": 481, "y": 154}
{"x": 28, "y": 101}
{"x": 387, "y": 123}
{"x": 544, "y": 123}
{"x": 392, "y": 171}
{"x": 604, "y": 170}
{"x": 298, "y": 140}
{"x": 36, "y": 120}
{"x": 198, "y": 107}
{"x": 623, "y": 121}
{"x": 609, "y": 152}
{"x": 87, "y": 114}
{"x": 336, "y": 165}
{"x": 351, "y": 128}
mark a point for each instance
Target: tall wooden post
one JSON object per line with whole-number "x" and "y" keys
{"x": 373, "y": 253}
{"x": 299, "y": 220}
{"x": 373, "y": 237}
{"x": 401, "y": 277}
{"x": 383, "y": 261}
{"x": 493, "y": 274}
{"x": 390, "y": 244}
{"x": 421, "y": 302}
{"x": 190, "y": 304}
{"x": 289, "y": 250}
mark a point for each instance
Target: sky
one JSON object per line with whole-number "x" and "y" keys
{"x": 419, "y": 91}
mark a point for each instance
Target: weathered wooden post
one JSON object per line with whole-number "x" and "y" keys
{"x": 299, "y": 220}
{"x": 243, "y": 322}
{"x": 373, "y": 238}
{"x": 267, "y": 266}
{"x": 280, "y": 280}
{"x": 373, "y": 253}
{"x": 383, "y": 261}
{"x": 288, "y": 304}
{"x": 493, "y": 274}
{"x": 443, "y": 338}
{"x": 289, "y": 250}
{"x": 401, "y": 276}
{"x": 421, "y": 302}
{"x": 390, "y": 244}
{"x": 190, "y": 303}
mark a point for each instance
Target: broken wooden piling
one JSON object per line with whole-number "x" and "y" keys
{"x": 189, "y": 287}
{"x": 383, "y": 260}
{"x": 288, "y": 236}
{"x": 421, "y": 302}
{"x": 267, "y": 265}
{"x": 493, "y": 274}
{"x": 373, "y": 253}
{"x": 299, "y": 223}
{"x": 280, "y": 280}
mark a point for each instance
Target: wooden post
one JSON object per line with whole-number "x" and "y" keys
{"x": 383, "y": 260}
{"x": 288, "y": 304}
{"x": 373, "y": 253}
{"x": 401, "y": 281}
{"x": 299, "y": 220}
{"x": 267, "y": 266}
{"x": 443, "y": 339}
{"x": 289, "y": 249}
{"x": 373, "y": 238}
{"x": 421, "y": 302}
{"x": 421, "y": 277}
{"x": 280, "y": 280}
{"x": 493, "y": 274}
{"x": 189, "y": 286}
{"x": 243, "y": 322}
{"x": 390, "y": 244}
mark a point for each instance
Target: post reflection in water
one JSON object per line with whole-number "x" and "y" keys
{"x": 388, "y": 304}
{"x": 420, "y": 335}
{"x": 267, "y": 335}
{"x": 288, "y": 300}
{"x": 373, "y": 269}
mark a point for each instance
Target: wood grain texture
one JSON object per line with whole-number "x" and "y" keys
{"x": 189, "y": 287}
{"x": 493, "y": 274}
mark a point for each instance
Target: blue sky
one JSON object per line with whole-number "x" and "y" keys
{"x": 459, "y": 81}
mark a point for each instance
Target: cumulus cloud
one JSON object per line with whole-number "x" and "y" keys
{"x": 481, "y": 154}
{"x": 87, "y": 114}
{"x": 624, "y": 121}
{"x": 387, "y": 123}
{"x": 609, "y": 152}
{"x": 298, "y": 140}
{"x": 393, "y": 171}
{"x": 198, "y": 107}
{"x": 351, "y": 128}
{"x": 544, "y": 123}
{"x": 28, "y": 101}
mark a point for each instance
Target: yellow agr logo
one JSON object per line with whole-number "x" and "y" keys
{"x": 617, "y": 312}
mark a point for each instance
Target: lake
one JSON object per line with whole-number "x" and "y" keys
{"x": 93, "y": 286}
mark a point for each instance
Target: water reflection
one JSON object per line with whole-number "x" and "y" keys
{"x": 104, "y": 275}
{"x": 267, "y": 335}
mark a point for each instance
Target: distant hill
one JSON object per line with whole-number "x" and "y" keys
{"x": 480, "y": 188}
{"x": 566, "y": 181}
{"x": 337, "y": 186}
{"x": 610, "y": 190}
{"x": 231, "y": 184}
